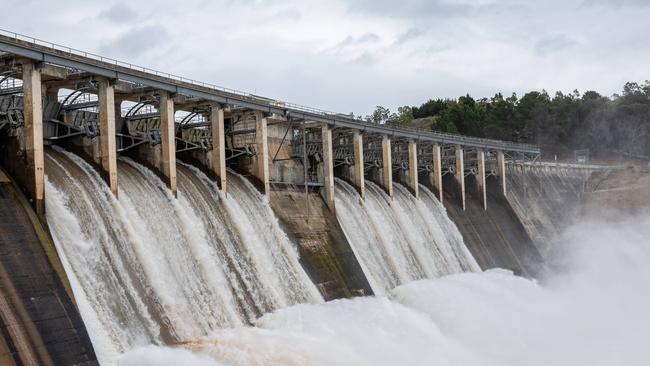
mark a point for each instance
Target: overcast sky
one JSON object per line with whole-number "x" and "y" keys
{"x": 350, "y": 55}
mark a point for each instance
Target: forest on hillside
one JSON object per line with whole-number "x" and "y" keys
{"x": 561, "y": 124}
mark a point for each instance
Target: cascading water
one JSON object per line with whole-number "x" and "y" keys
{"x": 400, "y": 240}
{"x": 545, "y": 200}
{"x": 150, "y": 269}
{"x": 594, "y": 313}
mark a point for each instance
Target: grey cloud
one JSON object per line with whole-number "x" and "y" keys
{"x": 136, "y": 41}
{"x": 410, "y": 8}
{"x": 355, "y": 41}
{"x": 365, "y": 59}
{"x": 409, "y": 35}
{"x": 291, "y": 14}
{"x": 552, "y": 44}
{"x": 617, "y": 3}
{"x": 119, "y": 13}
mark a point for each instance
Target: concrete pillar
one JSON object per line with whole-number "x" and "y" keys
{"x": 501, "y": 170}
{"x": 460, "y": 173}
{"x": 118, "y": 116}
{"x": 107, "y": 145}
{"x": 328, "y": 166}
{"x": 413, "y": 168}
{"x": 168, "y": 131}
{"x": 217, "y": 156}
{"x": 436, "y": 175}
{"x": 262, "y": 151}
{"x": 387, "y": 166}
{"x": 480, "y": 177}
{"x": 52, "y": 94}
{"x": 33, "y": 114}
{"x": 358, "y": 173}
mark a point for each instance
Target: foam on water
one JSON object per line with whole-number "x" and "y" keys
{"x": 592, "y": 313}
{"x": 164, "y": 281}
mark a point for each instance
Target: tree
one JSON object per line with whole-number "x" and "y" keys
{"x": 404, "y": 116}
{"x": 379, "y": 116}
{"x": 559, "y": 124}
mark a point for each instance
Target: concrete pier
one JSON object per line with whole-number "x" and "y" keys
{"x": 413, "y": 168}
{"x": 168, "y": 132}
{"x": 106, "y": 96}
{"x": 52, "y": 93}
{"x": 436, "y": 174}
{"x": 501, "y": 170}
{"x": 460, "y": 174}
{"x": 387, "y": 166}
{"x": 480, "y": 177}
{"x": 358, "y": 169}
{"x": 262, "y": 151}
{"x": 33, "y": 114}
{"x": 217, "y": 156}
{"x": 328, "y": 167}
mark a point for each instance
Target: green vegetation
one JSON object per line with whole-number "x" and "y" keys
{"x": 559, "y": 124}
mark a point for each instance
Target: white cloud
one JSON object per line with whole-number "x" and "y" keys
{"x": 350, "y": 55}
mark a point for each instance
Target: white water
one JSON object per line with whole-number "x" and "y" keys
{"x": 150, "y": 269}
{"x": 545, "y": 201}
{"x": 593, "y": 313}
{"x": 400, "y": 240}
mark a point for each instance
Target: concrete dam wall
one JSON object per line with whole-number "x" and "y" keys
{"x": 546, "y": 200}
{"x": 179, "y": 211}
{"x": 152, "y": 265}
{"x": 39, "y": 321}
{"x": 186, "y": 266}
{"x": 496, "y": 236}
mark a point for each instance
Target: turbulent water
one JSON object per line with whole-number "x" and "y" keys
{"x": 209, "y": 279}
{"x": 150, "y": 269}
{"x": 401, "y": 239}
{"x": 593, "y": 313}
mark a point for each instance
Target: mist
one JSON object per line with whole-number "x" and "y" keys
{"x": 591, "y": 311}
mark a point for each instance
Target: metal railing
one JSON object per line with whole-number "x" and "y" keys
{"x": 114, "y": 64}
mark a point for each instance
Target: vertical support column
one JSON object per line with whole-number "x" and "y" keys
{"x": 460, "y": 173}
{"x": 328, "y": 166}
{"x": 168, "y": 130}
{"x": 118, "y": 116}
{"x": 108, "y": 149}
{"x": 33, "y": 114}
{"x": 501, "y": 170}
{"x": 217, "y": 156}
{"x": 52, "y": 94}
{"x": 358, "y": 174}
{"x": 480, "y": 156}
{"x": 436, "y": 175}
{"x": 262, "y": 151}
{"x": 387, "y": 165}
{"x": 413, "y": 168}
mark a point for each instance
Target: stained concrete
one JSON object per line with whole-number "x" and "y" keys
{"x": 38, "y": 308}
{"x": 495, "y": 237}
{"x": 325, "y": 253}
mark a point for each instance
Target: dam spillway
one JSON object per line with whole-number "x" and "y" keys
{"x": 164, "y": 244}
{"x": 151, "y": 269}
{"x": 401, "y": 239}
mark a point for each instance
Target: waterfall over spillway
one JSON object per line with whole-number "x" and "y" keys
{"x": 546, "y": 201}
{"x": 148, "y": 268}
{"x": 400, "y": 240}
